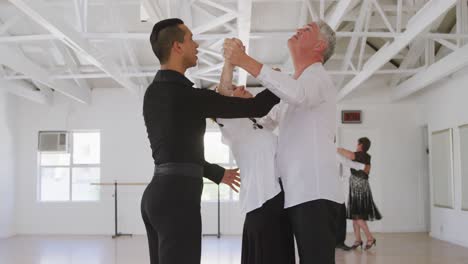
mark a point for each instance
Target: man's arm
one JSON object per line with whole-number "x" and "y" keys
{"x": 304, "y": 91}
{"x": 218, "y": 174}
{"x": 272, "y": 119}
{"x": 212, "y": 104}
{"x": 213, "y": 172}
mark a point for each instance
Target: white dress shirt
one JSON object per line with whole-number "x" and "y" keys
{"x": 306, "y": 155}
{"x": 254, "y": 151}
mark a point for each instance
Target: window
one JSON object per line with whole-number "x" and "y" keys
{"x": 67, "y": 176}
{"x": 218, "y": 153}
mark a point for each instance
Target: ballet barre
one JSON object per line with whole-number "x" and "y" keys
{"x": 115, "y": 184}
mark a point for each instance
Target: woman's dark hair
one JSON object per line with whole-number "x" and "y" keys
{"x": 164, "y": 34}
{"x": 365, "y": 142}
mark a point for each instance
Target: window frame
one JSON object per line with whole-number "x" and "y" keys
{"x": 70, "y": 167}
{"x": 232, "y": 164}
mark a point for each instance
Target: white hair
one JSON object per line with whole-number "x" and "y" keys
{"x": 330, "y": 36}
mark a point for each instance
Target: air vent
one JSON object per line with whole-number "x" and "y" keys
{"x": 53, "y": 141}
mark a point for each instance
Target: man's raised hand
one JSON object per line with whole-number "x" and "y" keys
{"x": 234, "y": 51}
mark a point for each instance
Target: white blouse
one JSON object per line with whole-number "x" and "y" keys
{"x": 254, "y": 150}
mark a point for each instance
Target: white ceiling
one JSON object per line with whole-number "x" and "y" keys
{"x": 74, "y": 46}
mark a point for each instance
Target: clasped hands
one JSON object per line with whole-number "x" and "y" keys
{"x": 234, "y": 51}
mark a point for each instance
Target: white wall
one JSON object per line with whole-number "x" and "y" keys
{"x": 7, "y": 164}
{"x": 396, "y": 178}
{"x": 125, "y": 157}
{"x": 446, "y": 106}
{"x": 398, "y": 181}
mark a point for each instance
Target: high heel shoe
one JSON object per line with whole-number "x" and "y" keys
{"x": 357, "y": 244}
{"x": 369, "y": 246}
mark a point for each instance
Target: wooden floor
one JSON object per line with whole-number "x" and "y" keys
{"x": 414, "y": 248}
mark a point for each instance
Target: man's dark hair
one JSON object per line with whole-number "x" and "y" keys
{"x": 164, "y": 34}
{"x": 365, "y": 142}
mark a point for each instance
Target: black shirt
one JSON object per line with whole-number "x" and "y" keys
{"x": 364, "y": 158}
{"x": 175, "y": 117}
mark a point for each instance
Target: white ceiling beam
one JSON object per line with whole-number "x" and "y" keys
{"x": 78, "y": 15}
{"x": 211, "y": 52}
{"x": 168, "y": 8}
{"x": 447, "y": 44}
{"x": 18, "y": 62}
{"x": 423, "y": 19}
{"x": 84, "y": 14}
{"x": 45, "y": 91}
{"x": 205, "y": 78}
{"x": 187, "y": 13}
{"x": 72, "y": 62}
{"x": 81, "y": 14}
{"x": 208, "y": 69}
{"x": 462, "y": 20}
{"x": 38, "y": 11}
{"x": 210, "y": 16}
{"x": 99, "y": 37}
{"x": 322, "y": 10}
{"x": 364, "y": 40}
{"x": 312, "y": 12}
{"x": 399, "y": 16}
{"x": 116, "y": 20}
{"x": 153, "y": 10}
{"x": 417, "y": 49}
{"x": 377, "y": 22}
{"x": 151, "y": 73}
{"x": 353, "y": 42}
{"x": 383, "y": 16}
{"x": 218, "y": 6}
{"x": 214, "y": 23}
{"x": 9, "y": 23}
{"x": 243, "y": 28}
{"x": 24, "y": 89}
{"x": 441, "y": 69}
{"x": 340, "y": 10}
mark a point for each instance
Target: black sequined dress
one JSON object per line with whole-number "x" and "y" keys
{"x": 360, "y": 203}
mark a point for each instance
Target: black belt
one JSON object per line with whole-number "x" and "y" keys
{"x": 179, "y": 169}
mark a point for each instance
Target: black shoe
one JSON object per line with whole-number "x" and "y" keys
{"x": 356, "y": 244}
{"x": 343, "y": 246}
{"x": 371, "y": 243}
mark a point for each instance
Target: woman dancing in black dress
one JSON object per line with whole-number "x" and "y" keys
{"x": 361, "y": 207}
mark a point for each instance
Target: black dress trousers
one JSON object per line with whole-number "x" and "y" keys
{"x": 341, "y": 225}
{"x": 314, "y": 227}
{"x": 170, "y": 208}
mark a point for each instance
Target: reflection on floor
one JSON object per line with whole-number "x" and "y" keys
{"x": 412, "y": 248}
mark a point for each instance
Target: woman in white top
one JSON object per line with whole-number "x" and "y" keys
{"x": 267, "y": 237}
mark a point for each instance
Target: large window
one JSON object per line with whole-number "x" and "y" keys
{"x": 218, "y": 153}
{"x": 67, "y": 175}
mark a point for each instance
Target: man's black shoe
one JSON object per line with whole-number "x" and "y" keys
{"x": 343, "y": 246}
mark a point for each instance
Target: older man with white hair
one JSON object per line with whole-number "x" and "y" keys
{"x": 306, "y": 118}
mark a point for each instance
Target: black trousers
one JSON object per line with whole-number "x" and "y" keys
{"x": 267, "y": 237}
{"x": 341, "y": 225}
{"x": 170, "y": 208}
{"x": 314, "y": 226}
